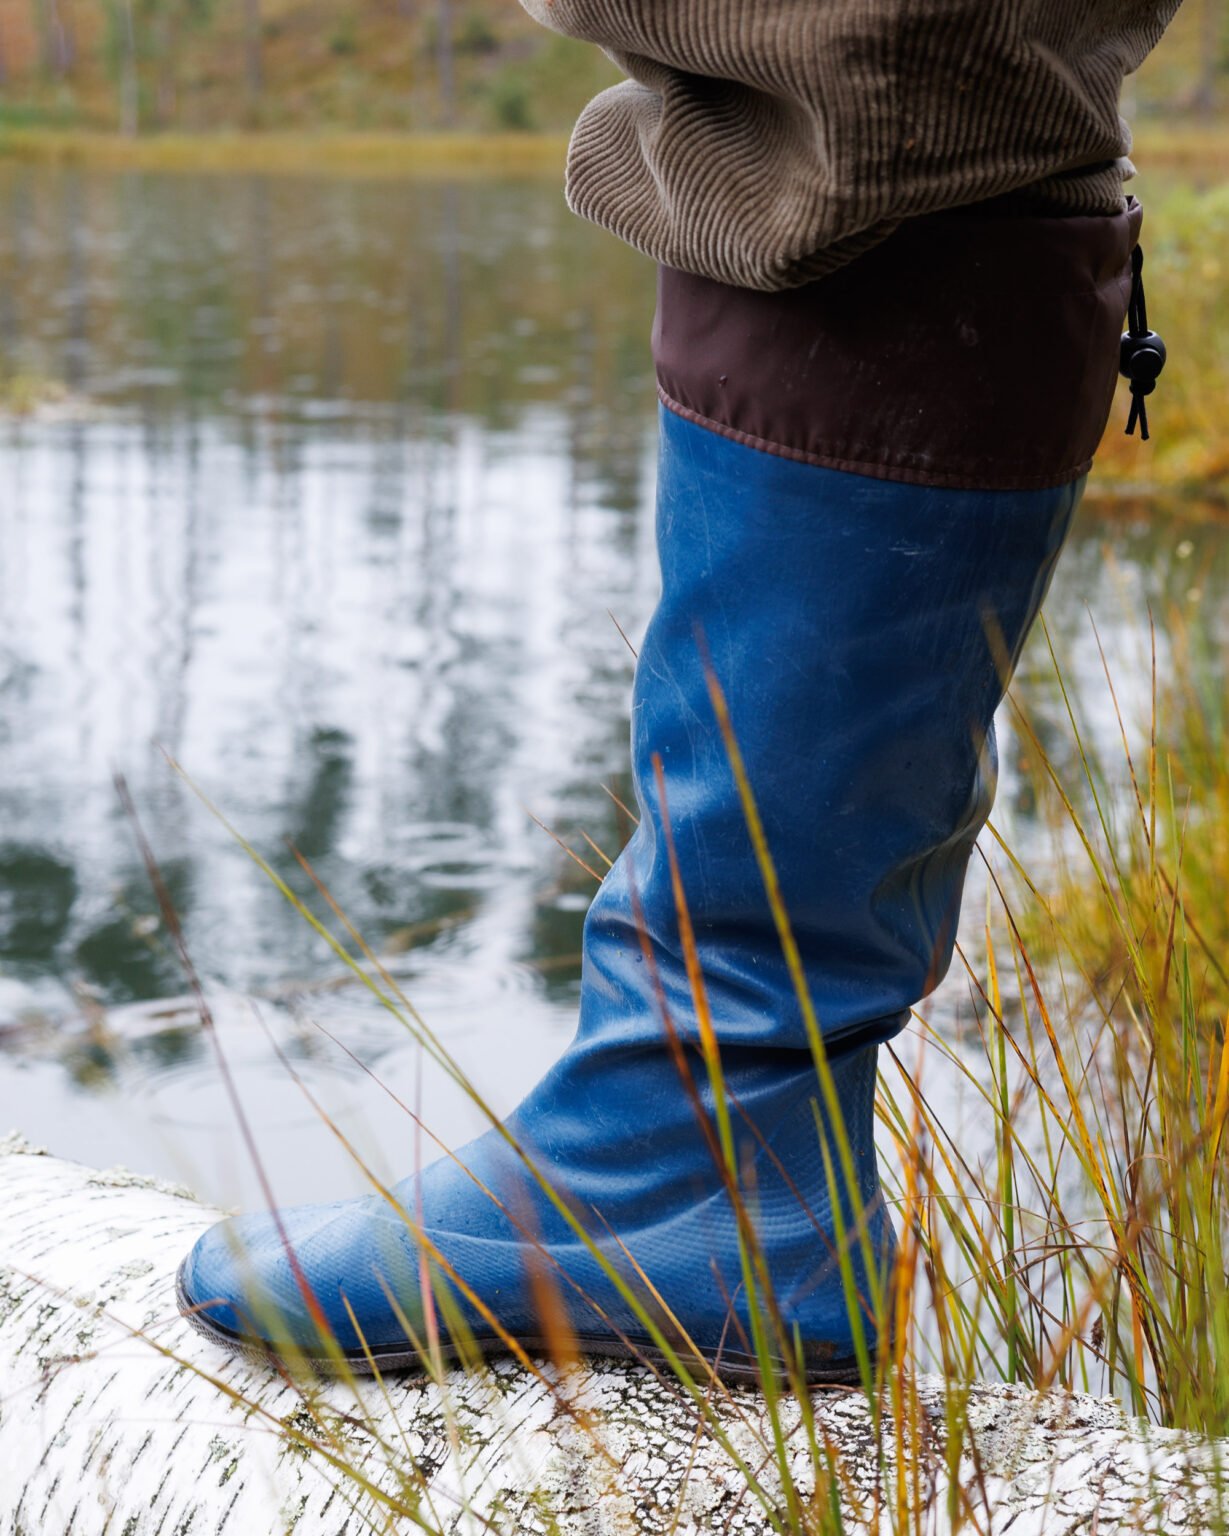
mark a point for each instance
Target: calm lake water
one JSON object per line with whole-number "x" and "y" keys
{"x": 337, "y": 493}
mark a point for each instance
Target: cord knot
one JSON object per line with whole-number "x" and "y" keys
{"x": 1141, "y": 353}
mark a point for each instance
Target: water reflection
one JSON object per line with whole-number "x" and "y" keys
{"x": 347, "y": 481}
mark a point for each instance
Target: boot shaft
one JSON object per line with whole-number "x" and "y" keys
{"x": 862, "y": 633}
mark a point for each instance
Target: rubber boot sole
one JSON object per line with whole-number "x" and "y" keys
{"x": 828, "y": 1373}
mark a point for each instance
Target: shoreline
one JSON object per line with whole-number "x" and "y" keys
{"x": 292, "y": 152}
{"x": 1189, "y": 146}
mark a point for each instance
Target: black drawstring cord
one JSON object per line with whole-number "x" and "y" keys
{"x": 1141, "y": 353}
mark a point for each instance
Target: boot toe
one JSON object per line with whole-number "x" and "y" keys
{"x": 239, "y": 1281}
{"x": 216, "y": 1277}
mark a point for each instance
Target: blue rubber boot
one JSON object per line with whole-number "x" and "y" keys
{"x": 862, "y": 625}
{"x": 846, "y": 621}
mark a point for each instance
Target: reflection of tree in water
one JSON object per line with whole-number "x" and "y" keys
{"x": 110, "y": 941}
{"x": 37, "y": 893}
{"x": 122, "y": 952}
{"x": 317, "y": 810}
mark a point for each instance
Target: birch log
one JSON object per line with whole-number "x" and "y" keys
{"x": 117, "y": 1420}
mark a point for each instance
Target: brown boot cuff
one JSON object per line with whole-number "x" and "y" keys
{"x": 971, "y": 349}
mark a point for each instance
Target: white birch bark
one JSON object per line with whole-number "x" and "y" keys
{"x": 116, "y": 1419}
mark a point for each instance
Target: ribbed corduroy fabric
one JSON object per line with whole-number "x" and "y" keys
{"x": 765, "y": 143}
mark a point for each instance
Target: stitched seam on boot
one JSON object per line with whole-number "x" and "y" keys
{"x": 885, "y": 467}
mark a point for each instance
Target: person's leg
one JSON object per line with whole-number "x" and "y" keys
{"x": 864, "y": 484}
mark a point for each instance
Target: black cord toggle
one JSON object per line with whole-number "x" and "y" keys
{"x": 1141, "y": 353}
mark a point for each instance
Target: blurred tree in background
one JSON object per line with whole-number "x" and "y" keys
{"x": 194, "y": 65}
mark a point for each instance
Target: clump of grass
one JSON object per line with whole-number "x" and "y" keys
{"x": 1145, "y": 891}
{"x": 1090, "y": 1250}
